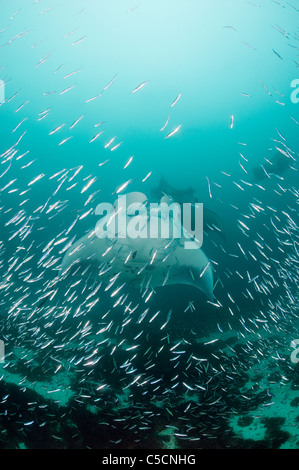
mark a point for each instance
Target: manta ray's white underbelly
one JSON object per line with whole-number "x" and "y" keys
{"x": 141, "y": 263}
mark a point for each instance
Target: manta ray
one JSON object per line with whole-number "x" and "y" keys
{"x": 212, "y": 221}
{"x": 278, "y": 165}
{"x": 138, "y": 261}
{"x": 178, "y": 195}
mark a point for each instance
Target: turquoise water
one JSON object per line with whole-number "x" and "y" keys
{"x": 220, "y": 74}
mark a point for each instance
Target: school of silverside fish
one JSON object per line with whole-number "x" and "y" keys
{"x": 90, "y": 361}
